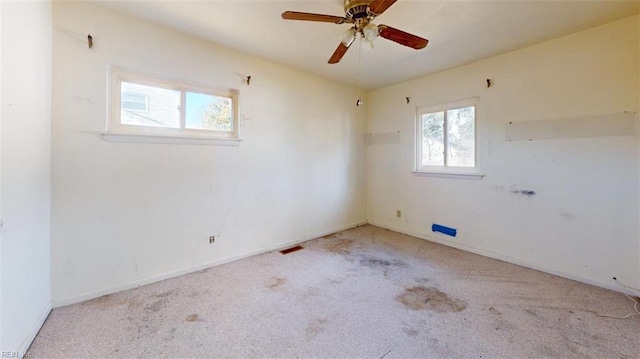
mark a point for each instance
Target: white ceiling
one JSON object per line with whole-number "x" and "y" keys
{"x": 459, "y": 32}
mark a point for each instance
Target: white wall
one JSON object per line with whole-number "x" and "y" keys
{"x": 25, "y": 152}
{"x": 1, "y": 236}
{"x": 583, "y": 221}
{"x": 125, "y": 214}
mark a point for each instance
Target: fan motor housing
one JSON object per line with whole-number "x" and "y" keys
{"x": 356, "y": 9}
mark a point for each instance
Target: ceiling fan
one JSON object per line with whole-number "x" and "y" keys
{"x": 361, "y": 13}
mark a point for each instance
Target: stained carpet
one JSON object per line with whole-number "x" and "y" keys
{"x": 361, "y": 293}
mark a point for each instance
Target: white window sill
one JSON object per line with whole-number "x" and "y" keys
{"x": 177, "y": 140}
{"x": 457, "y": 175}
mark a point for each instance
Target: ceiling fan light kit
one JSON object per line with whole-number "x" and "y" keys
{"x": 360, "y": 13}
{"x": 349, "y": 37}
{"x": 370, "y": 31}
{"x": 367, "y": 45}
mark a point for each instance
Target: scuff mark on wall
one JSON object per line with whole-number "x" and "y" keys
{"x": 516, "y": 190}
{"x": 567, "y": 215}
{"x": 524, "y": 192}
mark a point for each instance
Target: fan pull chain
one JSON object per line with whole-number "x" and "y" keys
{"x": 359, "y": 102}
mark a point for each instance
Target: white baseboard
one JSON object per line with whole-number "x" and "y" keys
{"x": 511, "y": 260}
{"x": 199, "y": 267}
{"x": 35, "y": 328}
{"x": 196, "y": 268}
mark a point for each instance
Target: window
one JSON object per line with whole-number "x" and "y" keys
{"x": 446, "y": 138}
{"x": 152, "y": 106}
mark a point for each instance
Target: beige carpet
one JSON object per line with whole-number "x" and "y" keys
{"x": 362, "y": 293}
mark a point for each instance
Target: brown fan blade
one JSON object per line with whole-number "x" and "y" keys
{"x": 379, "y": 6}
{"x": 306, "y": 16}
{"x": 337, "y": 55}
{"x": 403, "y": 38}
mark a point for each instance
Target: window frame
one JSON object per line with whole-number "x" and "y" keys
{"x": 115, "y": 126}
{"x": 418, "y": 168}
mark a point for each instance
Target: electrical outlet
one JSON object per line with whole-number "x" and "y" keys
{"x": 212, "y": 239}
{"x": 398, "y": 213}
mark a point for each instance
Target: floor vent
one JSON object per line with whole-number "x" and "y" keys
{"x": 292, "y": 249}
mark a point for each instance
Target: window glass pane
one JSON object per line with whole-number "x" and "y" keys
{"x": 149, "y": 106}
{"x": 134, "y": 101}
{"x": 433, "y": 139}
{"x": 461, "y": 131}
{"x": 208, "y": 112}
